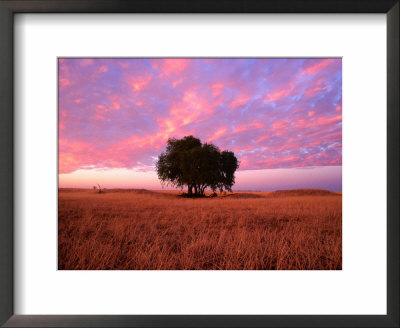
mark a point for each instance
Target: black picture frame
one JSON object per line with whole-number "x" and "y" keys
{"x": 10, "y": 7}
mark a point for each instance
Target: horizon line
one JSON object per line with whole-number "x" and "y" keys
{"x": 239, "y": 190}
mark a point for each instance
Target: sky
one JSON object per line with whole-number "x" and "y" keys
{"x": 281, "y": 117}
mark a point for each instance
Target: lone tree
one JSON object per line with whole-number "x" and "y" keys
{"x": 188, "y": 162}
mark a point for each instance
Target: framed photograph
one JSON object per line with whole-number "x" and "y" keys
{"x": 219, "y": 168}
{"x": 208, "y": 164}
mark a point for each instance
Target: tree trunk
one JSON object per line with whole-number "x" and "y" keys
{"x": 189, "y": 190}
{"x": 195, "y": 189}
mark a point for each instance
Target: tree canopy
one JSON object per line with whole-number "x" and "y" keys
{"x": 188, "y": 162}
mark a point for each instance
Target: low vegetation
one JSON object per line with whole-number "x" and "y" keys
{"x": 157, "y": 230}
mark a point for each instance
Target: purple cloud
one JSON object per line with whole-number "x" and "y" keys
{"x": 273, "y": 113}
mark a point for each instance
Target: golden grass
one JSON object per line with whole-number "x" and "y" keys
{"x": 151, "y": 230}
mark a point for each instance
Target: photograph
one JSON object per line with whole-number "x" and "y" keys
{"x": 199, "y": 163}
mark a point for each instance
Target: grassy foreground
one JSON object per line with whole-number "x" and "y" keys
{"x": 157, "y": 230}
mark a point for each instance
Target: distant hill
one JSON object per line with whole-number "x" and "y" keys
{"x": 244, "y": 195}
{"x": 304, "y": 192}
{"x": 234, "y": 195}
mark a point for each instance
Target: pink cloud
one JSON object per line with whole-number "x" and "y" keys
{"x": 115, "y": 105}
{"x": 198, "y": 105}
{"x": 64, "y": 82}
{"x": 171, "y": 66}
{"x": 177, "y": 82}
{"x": 124, "y": 64}
{"x": 274, "y": 96}
{"x": 248, "y": 126}
{"x": 138, "y": 82}
{"x": 329, "y": 120}
{"x": 239, "y": 101}
{"x": 218, "y": 134}
{"x": 74, "y": 154}
{"x": 217, "y": 89}
{"x": 289, "y": 115}
{"x": 279, "y": 127}
{"x": 115, "y": 102}
{"x": 319, "y": 66}
{"x": 86, "y": 62}
{"x": 312, "y": 92}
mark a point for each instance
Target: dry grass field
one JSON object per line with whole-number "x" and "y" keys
{"x": 158, "y": 230}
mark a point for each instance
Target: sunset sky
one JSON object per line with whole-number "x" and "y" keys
{"x": 281, "y": 117}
